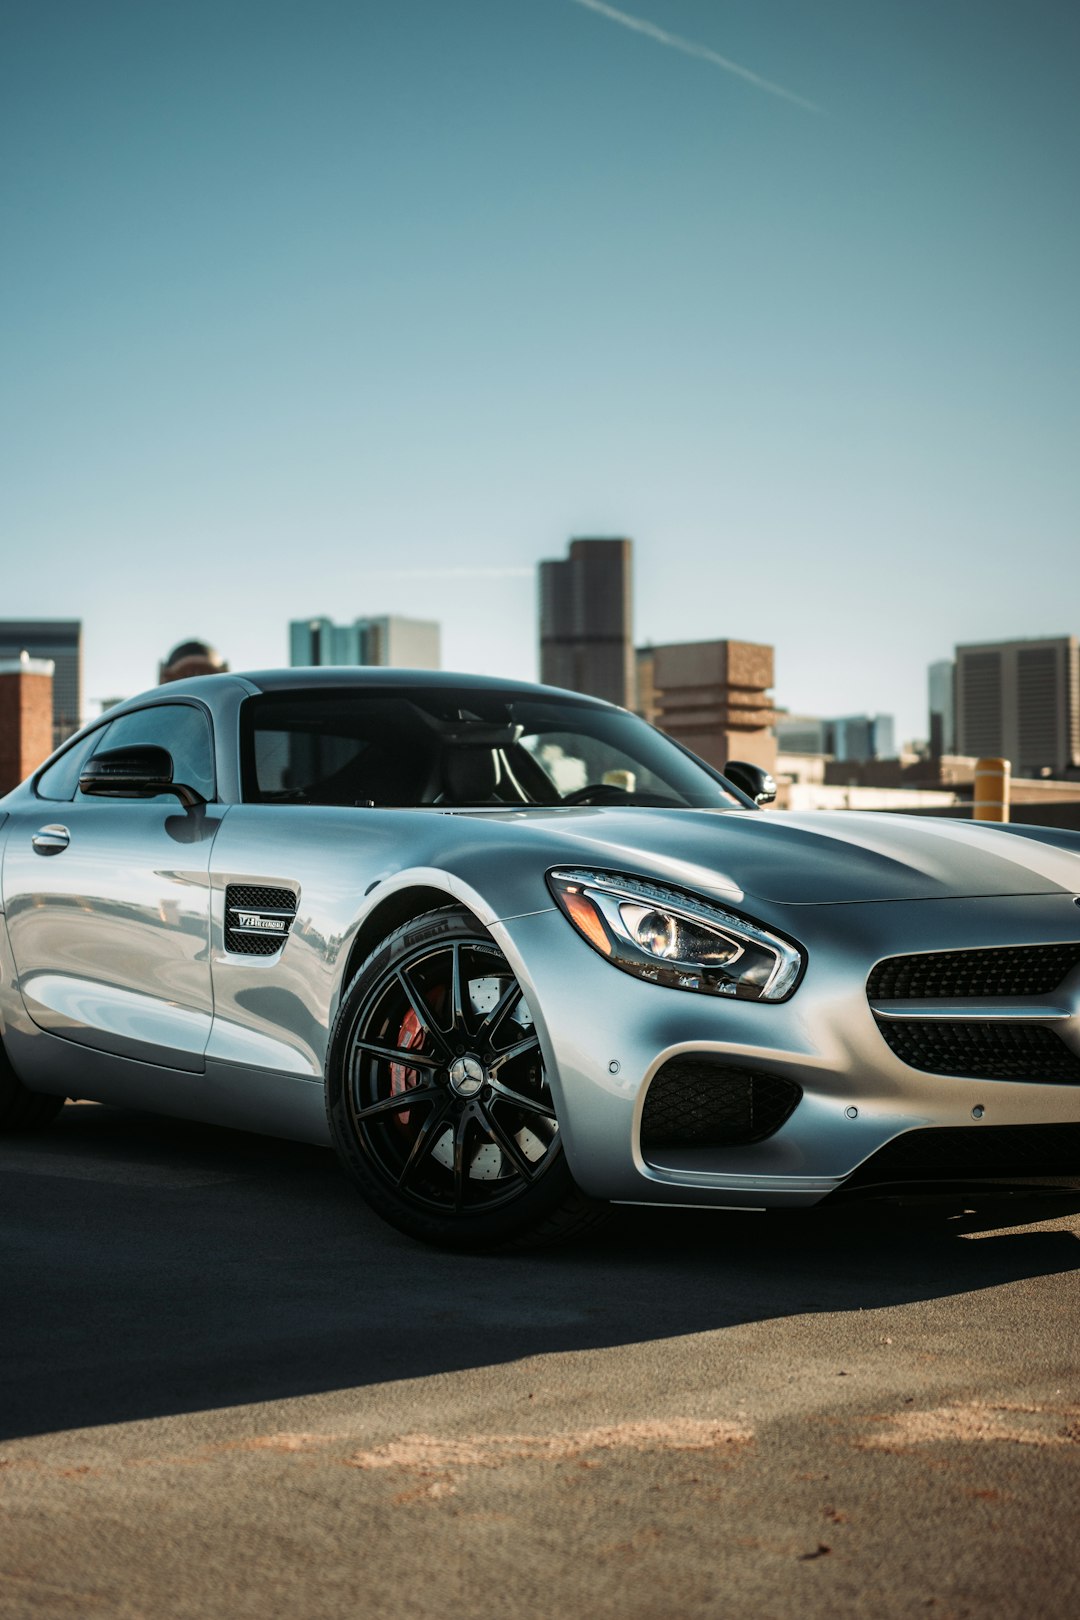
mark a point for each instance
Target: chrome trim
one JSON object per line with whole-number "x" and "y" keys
{"x": 975, "y": 1010}
{"x": 52, "y": 840}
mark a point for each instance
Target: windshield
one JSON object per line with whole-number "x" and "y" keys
{"x": 462, "y": 748}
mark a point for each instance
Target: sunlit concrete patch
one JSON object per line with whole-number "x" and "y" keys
{"x": 973, "y": 1422}
{"x": 428, "y": 1453}
{"x": 419, "y": 1453}
{"x": 286, "y": 1442}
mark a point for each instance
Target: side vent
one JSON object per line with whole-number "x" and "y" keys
{"x": 257, "y": 920}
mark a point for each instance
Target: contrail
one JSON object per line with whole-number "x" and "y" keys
{"x": 689, "y": 48}
{"x": 447, "y": 573}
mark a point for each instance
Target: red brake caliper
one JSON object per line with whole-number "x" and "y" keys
{"x": 410, "y": 1038}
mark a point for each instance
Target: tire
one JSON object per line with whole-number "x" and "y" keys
{"x": 458, "y": 1144}
{"x": 20, "y": 1109}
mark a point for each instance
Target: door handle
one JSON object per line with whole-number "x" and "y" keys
{"x": 51, "y": 840}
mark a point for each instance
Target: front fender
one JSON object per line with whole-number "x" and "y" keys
{"x": 276, "y": 1012}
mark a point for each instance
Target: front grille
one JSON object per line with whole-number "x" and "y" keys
{"x": 273, "y": 905}
{"x": 1003, "y": 971}
{"x": 982, "y": 1051}
{"x": 978, "y": 1049}
{"x": 961, "y": 1154}
{"x": 700, "y": 1102}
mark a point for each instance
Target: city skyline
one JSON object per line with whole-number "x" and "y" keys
{"x": 788, "y": 716}
{"x": 308, "y": 312}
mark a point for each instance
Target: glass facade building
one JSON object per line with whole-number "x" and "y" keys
{"x": 390, "y": 641}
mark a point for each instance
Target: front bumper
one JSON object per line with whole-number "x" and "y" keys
{"x": 605, "y": 1035}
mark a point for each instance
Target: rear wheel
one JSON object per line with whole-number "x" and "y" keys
{"x": 437, "y": 1098}
{"x": 20, "y": 1109}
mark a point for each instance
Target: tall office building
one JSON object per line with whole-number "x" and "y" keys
{"x": 863, "y": 736}
{"x": 803, "y": 734}
{"x": 850, "y": 737}
{"x": 391, "y": 641}
{"x": 61, "y": 641}
{"x": 713, "y": 697}
{"x": 941, "y": 691}
{"x": 586, "y": 621}
{"x": 1020, "y": 700}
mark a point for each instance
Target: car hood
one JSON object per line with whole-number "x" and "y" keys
{"x": 813, "y": 859}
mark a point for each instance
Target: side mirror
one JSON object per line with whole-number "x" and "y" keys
{"x": 134, "y": 773}
{"x": 756, "y": 783}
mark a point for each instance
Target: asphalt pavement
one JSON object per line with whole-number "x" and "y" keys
{"x": 227, "y": 1390}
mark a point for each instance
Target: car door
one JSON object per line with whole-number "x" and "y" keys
{"x": 108, "y": 899}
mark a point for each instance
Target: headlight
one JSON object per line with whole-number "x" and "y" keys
{"x": 675, "y": 938}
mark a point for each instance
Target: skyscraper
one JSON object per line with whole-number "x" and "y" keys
{"x": 1020, "y": 700}
{"x": 849, "y": 737}
{"x": 586, "y": 621}
{"x": 60, "y": 640}
{"x": 389, "y": 641}
{"x": 941, "y": 685}
{"x": 863, "y": 736}
{"x": 803, "y": 734}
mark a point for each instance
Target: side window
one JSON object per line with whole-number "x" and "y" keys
{"x": 178, "y": 727}
{"x": 60, "y": 780}
{"x": 291, "y": 762}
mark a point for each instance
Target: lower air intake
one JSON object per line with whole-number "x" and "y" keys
{"x": 700, "y": 1102}
{"x": 960, "y": 1155}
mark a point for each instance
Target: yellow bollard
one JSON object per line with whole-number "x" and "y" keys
{"x": 991, "y": 790}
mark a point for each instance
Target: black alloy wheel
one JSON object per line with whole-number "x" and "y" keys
{"x": 437, "y": 1098}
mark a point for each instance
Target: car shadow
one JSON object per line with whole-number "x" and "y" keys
{"x": 152, "y": 1266}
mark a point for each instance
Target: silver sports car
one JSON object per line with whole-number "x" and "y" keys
{"x": 518, "y": 955}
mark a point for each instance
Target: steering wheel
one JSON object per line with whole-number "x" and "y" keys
{"x": 596, "y": 793}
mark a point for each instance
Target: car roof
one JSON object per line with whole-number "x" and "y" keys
{"x": 338, "y": 676}
{"x": 343, "y": 677}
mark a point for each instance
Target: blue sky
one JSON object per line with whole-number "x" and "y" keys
{"x": 354, "y": 308}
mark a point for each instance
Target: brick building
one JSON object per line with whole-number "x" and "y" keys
{"x": 26, "y": 717}
{"x": 713, "y": 697}
{"x": 58, "y": 640}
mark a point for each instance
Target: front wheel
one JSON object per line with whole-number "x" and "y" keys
{"x": 438, "y": 1103}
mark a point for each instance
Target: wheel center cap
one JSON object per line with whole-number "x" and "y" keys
{"x": 467, "y": 1075}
